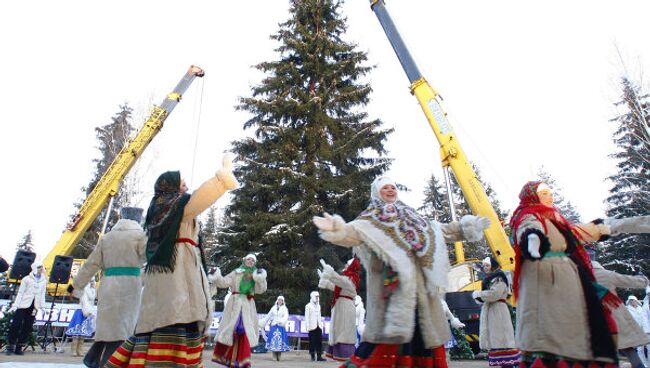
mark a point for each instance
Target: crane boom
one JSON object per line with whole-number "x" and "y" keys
{"x": 451, "y": 153}
{"x": 109, "y": 183}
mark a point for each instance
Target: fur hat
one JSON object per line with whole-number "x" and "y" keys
{"x": 379, "y": 183}
{"x": 131, "y": 213}
{"x": 491, "y": 261}
{"x": 250, "y": 255}
{"x": 632, "y": 297}
{"x": 312, "y": 296}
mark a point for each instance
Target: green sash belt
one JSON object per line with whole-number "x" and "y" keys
{"x": 555, "y": 254}
{"x": 122, "y": 271}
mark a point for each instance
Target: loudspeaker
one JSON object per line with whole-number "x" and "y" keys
{"x": 22, "y": 265}
{"x": 60, "y": 272}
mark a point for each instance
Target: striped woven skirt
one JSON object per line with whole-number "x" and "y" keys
{"x": 238, "y": 355}
{"x": 548, "y": 360}
{"x": 176, "y": 346}
{"x": 503, "y": 357}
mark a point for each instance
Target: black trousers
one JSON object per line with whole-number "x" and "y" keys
{"x": 21, "y": 326}
{"x": 316, "y": 341}
{"x": 100, "y": 352}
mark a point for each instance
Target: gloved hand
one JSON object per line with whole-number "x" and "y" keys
{"x": 456, "y": 323}
{"x": 473, "y": 227}
{"x": 12, "y": 309}
{"x": 330, "y": 228}
{"x": 533, "y": 246}
{"x": 476, "y": 295}
{"x": 326, "y": 268}
{"x": 225, "y": 172}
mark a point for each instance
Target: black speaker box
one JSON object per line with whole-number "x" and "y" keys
{"x": 60, "y": 272}
{"x": 22, "y": 265}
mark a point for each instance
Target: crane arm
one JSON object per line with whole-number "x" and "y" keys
{"x": 451, "y": 153}
{"x": 109, "y": 183}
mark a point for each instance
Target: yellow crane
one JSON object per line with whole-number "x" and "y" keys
{"x": 453, "y": 158}
{"x": 109, "y": 183}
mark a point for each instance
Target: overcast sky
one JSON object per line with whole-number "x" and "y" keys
{"x": 525, "y": 84}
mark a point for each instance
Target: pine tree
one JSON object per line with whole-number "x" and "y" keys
{"x": 26, "y": 243}
{"x": 313, "y": 151}
{"x": 462, "y": 351}
{"x": 111, "y": 138}
{"x": 566, "y": 208}
{"x": 209, "y": 230}
{"x": 436, "y": 207}
{"x": 629, "y": 195}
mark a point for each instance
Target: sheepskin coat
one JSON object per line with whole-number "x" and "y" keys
{"x": 118, "y": 296}
{"x": 630, "y": 334}
{"x": 183, "y": 296}
{"x": 392, "y": 320}
{"x": 551, "y": 307}
{"x": 238, "y": 304}
{"x": 343, "y": 316}
{"x": 496, "y": 331}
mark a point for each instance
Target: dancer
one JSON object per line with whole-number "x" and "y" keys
{"x": 29, "y": 300}
{"x": 314, "y": 323}
{"x": 496, "y": 334}
{"x": 82, "y": 324}
{"x": 406, "y": 262}
{"x": 563, "y": 316}
{"x": 277, "y": 340}
{"x": 343, "y": 333}
{"x": 175, "y": 311}
{"x": 119, "y": 255}
{"x": 239, "y": 324}
{"x": 642, "y": 321}
{"x": 630, "y": 335}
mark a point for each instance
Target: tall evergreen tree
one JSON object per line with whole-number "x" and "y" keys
{"x": 436, "y": 203}
{"x": 313, "y": 151}
{"x": 26, "y": 243}
{"x": 630, "y": 193}
{"x": 209, "y": 234}
{"x": 111, "y": 138}
{"x": 566, "y": 208}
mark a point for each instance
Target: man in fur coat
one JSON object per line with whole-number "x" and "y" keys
{"x": 119, "y": 255}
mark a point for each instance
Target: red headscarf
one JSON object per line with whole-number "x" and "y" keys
{"x": 529, "y": 204}
{"x": 351, "y": 271}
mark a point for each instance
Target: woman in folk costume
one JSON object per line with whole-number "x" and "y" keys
{"x": 496, "y": 334}
{"x": 277, "y": 340}
{"x": 82, "y": 324}
{"x": 343, "y": 331}
{"x": 630, "y": 335}
{"x": 239, "y": 324}
{"x": 176, "y": 311}
{"x": 406, "y": 262}
{"x": 563, "y": 315}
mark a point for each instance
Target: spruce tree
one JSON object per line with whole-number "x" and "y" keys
{"x": 630, "y": 193}
{"x": 110, "y": 140}
{"x": 26, "y": 243}
{"x": 566, "y": 208}
{"x": 313, "y": 150}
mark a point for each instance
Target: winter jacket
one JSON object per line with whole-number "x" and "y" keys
{"x": 31, "y": 290}
{"x": 551, "y": 307}
{"x": 343, "y": 318}
{"x": 630, "y": 333}
{"x": 496, "y": 331}
{"x": 238, "y": 304}
{"x": 640, "y": 317}
{"x": 87, "y": 301}
{"x": 277, "y": 316}
{"x": 313, "y": 317}
{"x": 118, "y": 301}
{"x": 183, "y": 296}
{"x": 392, "y": 320}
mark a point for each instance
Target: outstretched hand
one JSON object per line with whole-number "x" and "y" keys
{"x": 326, "y": 268}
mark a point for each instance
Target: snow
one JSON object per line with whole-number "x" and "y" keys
{"x": 276, "y": 229}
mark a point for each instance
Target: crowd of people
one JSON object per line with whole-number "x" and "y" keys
{"x": 154, "y": 304}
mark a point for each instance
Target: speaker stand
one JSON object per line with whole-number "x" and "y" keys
{"x": 47, "y": 327}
